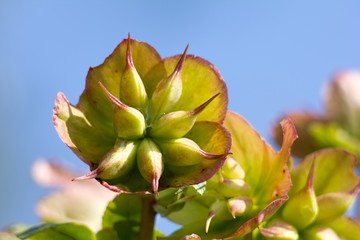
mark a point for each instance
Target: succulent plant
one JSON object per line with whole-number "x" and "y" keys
{"x": 148, "y": 125}
{"x": 144, "y": 123}
{"x": 324, "y": 188}
{"x": 251, "y": 185}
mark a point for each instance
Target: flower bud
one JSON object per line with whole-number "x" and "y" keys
{"x": 184, "y": 152}
{"x": 239, "y": 206}
{"x": 167, "y": 92}
{"x": 191, "y": 237}
{"x": 132, "y": 89}
{"x": 150, "y": 162}
{"x": 129, "y": 122}
{"x": 320, "y": 233}
{"x": 232, "y": 169}
{"x": 116, "y": 163}
{"x": 232, "y": 188}
{"x": 279, "y": 230}
{"x": 177, "y": 124}
{"x": 302, "y": 208}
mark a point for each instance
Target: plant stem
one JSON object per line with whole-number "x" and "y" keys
{"x": 147, "y": 218}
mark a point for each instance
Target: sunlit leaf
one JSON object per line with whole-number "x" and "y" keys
{"x": 266, "y": 170}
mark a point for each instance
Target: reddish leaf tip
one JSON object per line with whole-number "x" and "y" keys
{"x": 203, "y": 106}
{"x": 180, "y": 64}
{"x": 90, "y": 175}
{"x": 310, "y": 180}
{"x": 129, "y": 59}
{"x": 112, "y": 98}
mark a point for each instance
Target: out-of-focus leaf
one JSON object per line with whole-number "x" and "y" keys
{"x": 106, "y": 234}
{"x": 333, "y": 135}
{"x": 123, "y": 215}
{"x": 333, "y": 171}
{"x": 346, "y": 228}
{"x": 10, "y": 232}
{"x": 64, "y": 231}
{"x": 305, "y": 143}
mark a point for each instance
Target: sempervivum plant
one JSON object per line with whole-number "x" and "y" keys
{"x": 144, "y": 123}
{"x": 250, "y": 187}
{"x": 324, "y": 188}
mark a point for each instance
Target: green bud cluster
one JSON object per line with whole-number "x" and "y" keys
{"x": 151, "y": 132}
{"x": 234, "y": 202}
{"x": 316, "y": 202}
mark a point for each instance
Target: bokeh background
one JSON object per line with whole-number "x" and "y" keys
{"x": 274, "y": 55}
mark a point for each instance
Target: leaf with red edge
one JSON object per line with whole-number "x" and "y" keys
{"x": 84, "y": 136}
{"x": 266, "y": 173}
{"x": 203, "y": 76}
{"x": 333, "y": 172}
{"x": 266, "y": 170}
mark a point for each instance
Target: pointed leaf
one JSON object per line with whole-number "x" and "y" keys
{"x": 346, "y": 228}
{"x": 333, "y": 171}
{"x": 302, "y": 208}
{"x": 335, "y": 204}
{"x": 203, "y": 76}
{"x": 110, "y": 73}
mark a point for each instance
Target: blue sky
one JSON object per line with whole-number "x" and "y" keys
{"x": 274, "y": 55}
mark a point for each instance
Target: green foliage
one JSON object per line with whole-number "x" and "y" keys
{"x": 158, "y": 132}
{"x": 64, "y": 231}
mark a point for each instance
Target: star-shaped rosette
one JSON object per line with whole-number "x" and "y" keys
{"x": 144, "y": 123}
{"x": 250, "y": 187}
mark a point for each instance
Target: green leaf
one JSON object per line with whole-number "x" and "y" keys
{"x": 333, "y": 135}
{"x": 266, "y": 170}
{"x": 199, "y": 74}
{"x": 346, "y": 228}
{"x": 85, "y": 136}
{"x": 223, "y": 229}
{"x": 123, "y": 215}
{"x": 106, "y": 234}
{"x": 110, "y": 72}
{"x": 333, "y": 171}
{"x": 64, "y": 231}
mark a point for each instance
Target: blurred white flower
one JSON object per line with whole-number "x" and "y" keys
{"x": 77, "y": 201}
{"x": 342, "y": 101}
